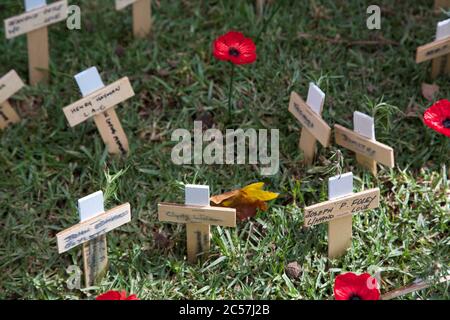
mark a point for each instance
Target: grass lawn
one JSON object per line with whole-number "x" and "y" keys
{"x": 46, "y": 166}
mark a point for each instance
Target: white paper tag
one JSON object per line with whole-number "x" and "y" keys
{"x": 364, "y": 125}
{"x": 443, "y": 29}
{"x": 89, "y": 81}
{"x": 34, "y": 4}
{"x": 196, "y": 195}
{"x": 340, "y": 186}
{"x": 316, "y": 98}
{"x": 91, "y": 206}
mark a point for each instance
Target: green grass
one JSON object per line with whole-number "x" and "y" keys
{"x": 46, "y": 166}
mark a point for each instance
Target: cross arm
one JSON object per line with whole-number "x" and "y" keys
{"x": 99, "y": 101}
{"x": 178, "y": 213}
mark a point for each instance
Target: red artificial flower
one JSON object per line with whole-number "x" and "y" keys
{"x": 437, "y": 117}
{"x": 234, "y": 47}
{"x": 349, "y": 286}
{"x": 116, "y": 295}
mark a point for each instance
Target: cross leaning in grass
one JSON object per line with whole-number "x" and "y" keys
{"x": 438, "y": 51}
{"x": 362, "y": 142}
{"x": 34, "y": 23}
{"x": 338, "y": 211}
{"x": 99, "y": 102}
{"x": 309, "y": 115}
{"x": 91, "y": 232}
{"x": 198, "y": 216}
{"x": 142, "y": 16}
{"x": 9, "y": 85}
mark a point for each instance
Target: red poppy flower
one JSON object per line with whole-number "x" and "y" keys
{"x": 116, "y": 295}
{"x": 437, "y": 117}
{"x": 234, "y": 47}
{"x": 349, "y": 286}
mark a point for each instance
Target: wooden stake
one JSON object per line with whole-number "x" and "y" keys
{"x": 95, "y": 259}
{"x": 38, "y": 56}
{"x": 198, "y": 241}
{"x": 8, "y": 115}
{"x": 142, "y": 18}
{"x": 339, "y": 236}
{"x": 307, "y": 144}
{"x": 111, "y": 131}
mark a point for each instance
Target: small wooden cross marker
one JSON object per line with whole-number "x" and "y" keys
{"x": 309, "y": 115}
{"x": 438, "y": 51}
{"x": 99, "y": 102}
{"x": 9, "y": 85}
{"x": 91, "y": 232}
{"x": 338, "y": 211}
{"x": 362, "y": 142}
{"x": 142, "y": 16}
{"x": 34, "y": 23}
{"x": 198, "y": 216}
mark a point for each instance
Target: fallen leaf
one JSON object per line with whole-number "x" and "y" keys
{"x": 246, "y": 201}
{"x": 429, "y": 91}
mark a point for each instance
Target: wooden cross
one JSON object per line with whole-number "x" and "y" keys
{"x": 142, "y": 16}
{"x": 362, "y": 142}
{"x": 338, "y": 211}
{"x": 438, "y": 51}
{"x": 198, "y": 216}
{"x": 34, "y": 23}
{"x": 441, "y": 4}
{"x": 91, "y": 232}
{"x": 309, "y": 115}
{"x": 9, "y": 85}
{"x": 99, "y": 102}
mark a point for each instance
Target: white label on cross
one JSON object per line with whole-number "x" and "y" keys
{"x": 196, "y": 195}
{"x": 316, "y": 98}
{"x": 34, "y": 4}
{"x": 340, "y": 185}
{"x": 91, "y": 206}
{"x": 364, "y": 125}
{"x": 89, "y": 81}
{"x": 443, "y": 29}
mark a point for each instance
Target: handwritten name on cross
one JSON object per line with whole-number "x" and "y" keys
{"x": 91, "y": 232}
{"x": 362, "y": 142}
{"x": 34, "y": 23}
{"x": 99, "y": 102}
{"x": 198, "y": 216}
{"x": 314, "y": 128}
{"x": 142, "y": 16}
{"x": 9, "y": 85}
{"x": 338, "y": 211}
{"x": 438, "y": 51}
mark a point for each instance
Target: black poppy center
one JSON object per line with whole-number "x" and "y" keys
{"x": 233, "y": 52}
{"x": 354, "y": 297}
{"x": 446, "y": 123}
